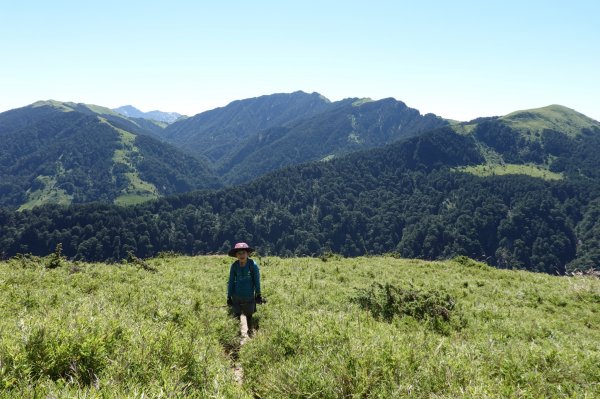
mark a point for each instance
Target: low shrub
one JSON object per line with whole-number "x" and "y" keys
{"x": 25, "y": 261}
{"x": 386, "y": 301}
{"x": 56, "y": 259}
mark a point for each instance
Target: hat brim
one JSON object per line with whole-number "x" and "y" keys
{"x": 234, "y": 250}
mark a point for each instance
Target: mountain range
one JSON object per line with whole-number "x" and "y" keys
{"x": 518, "y": 191}
{"x": 145, "y": 159}
{"x": 251, "y": 137}
{"x": 132, "y": 112}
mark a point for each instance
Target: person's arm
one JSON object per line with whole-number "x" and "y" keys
{"x": 256, "y": 276}
{"x": 230, "y": 284}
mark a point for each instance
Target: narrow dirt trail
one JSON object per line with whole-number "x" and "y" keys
{"x": 238, "y": 371}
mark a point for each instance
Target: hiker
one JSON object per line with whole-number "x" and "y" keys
{"x": 243, "y": 291}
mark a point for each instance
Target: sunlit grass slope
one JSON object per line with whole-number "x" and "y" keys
{"x": 511, "y": 169}
{"x": 553, "y": 117}
{"x": 95, "y": 330}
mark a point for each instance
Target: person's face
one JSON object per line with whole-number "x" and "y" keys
{"x": 242, "y": 255}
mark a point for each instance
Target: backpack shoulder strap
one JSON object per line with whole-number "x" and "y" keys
{"x": 252, "y": 269}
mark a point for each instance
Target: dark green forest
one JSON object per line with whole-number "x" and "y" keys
{"x": 407, "y": 198}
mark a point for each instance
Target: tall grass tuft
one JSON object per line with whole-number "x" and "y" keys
{"x": 386, "y": 301}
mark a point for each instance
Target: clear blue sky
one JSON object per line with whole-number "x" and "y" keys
{"x": 458, "y": 59}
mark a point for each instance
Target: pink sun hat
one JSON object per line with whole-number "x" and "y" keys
{"x": 240, "y": 246}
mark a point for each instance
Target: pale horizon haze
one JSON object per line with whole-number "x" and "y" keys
{"x": 459, "y": 60}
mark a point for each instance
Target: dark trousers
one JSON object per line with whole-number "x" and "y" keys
{"x": 245, "y": 306}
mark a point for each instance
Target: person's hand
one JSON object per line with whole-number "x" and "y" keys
{"x": 259, "y": 299}
{"x": 229, "y": 301}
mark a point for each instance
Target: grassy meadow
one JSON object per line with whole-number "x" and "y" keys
{"x": 511, "y": 169}
{"x": 368, "y": 327}
{"x": 553, "y": 117}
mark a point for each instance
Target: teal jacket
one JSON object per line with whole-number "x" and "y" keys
{"x": 244, "y": 282}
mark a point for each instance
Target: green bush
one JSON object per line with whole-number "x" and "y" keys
{"x": 56, "y": 259}
{"x": 468, "y": 262}
{"x": 385, "y": 301}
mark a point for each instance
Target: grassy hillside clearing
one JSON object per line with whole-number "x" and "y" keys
{"x": 553, "y": 117}
{"x": 48, "y": 193}
{"x": 96, "y": 330}
{"x": 137, "y": 190}
{"x": 511, "y": 169}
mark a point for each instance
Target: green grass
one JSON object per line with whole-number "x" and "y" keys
{"x": 53, "y": 103}
{"x": 361, "y": 101}
{"x": 96, "y": 330}
{"x": 138, "y": 190}
{"x": 133, "y": 197}
{"x": 102, "y": 110}
{"x": 71, "y": 106}
{"x": 511, "y": 169}
{"x": 353, "y": 137}
{"x": 159, "y": 123}
{"x": 491, "y": 156}
{"x": 532, "y": 122}
{"x": 554, "y": 117}
{"x": 49, "y": 194}
{"x": 464, "y": 129}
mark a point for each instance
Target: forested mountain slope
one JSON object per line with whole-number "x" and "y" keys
{"x": 516, "y": 197}
{"x": 251, "y": 137}
{"x": 245, "y": 139}
{"x": 53, "y": 152}
{"x": 347, "y": 126}
{"x": 215, "y": 133}
{"x": 412, "y": 197}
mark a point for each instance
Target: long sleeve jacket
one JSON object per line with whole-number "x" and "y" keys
{"x": 244, "y": 282}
